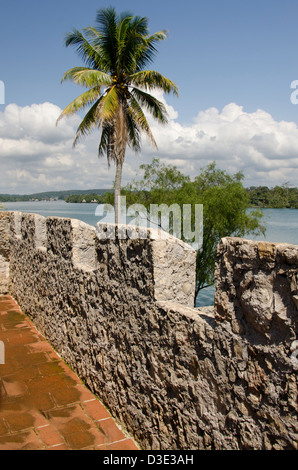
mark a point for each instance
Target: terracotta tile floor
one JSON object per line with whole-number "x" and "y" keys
{"x": 43, "y": 404}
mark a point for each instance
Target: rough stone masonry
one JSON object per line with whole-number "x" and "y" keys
{"x": 119, "y": 311}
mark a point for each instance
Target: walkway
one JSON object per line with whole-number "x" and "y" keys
{"x": 43, "y": 404}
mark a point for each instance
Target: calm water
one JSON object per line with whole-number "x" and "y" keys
{"x": 281, "y": 225}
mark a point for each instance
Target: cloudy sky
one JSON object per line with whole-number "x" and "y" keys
{"x": 233, "y": 61}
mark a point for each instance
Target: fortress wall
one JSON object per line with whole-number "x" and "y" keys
{"x": 119, "y": 311}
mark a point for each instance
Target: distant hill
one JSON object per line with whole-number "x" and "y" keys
{"x": 50, "y": 195}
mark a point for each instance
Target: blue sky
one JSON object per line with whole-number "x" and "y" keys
{"x": 233, "y": 62}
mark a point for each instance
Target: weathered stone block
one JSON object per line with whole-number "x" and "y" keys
{"x": 173, "y": 261}
{"x": 260, "y": 294}
{"x": 83, "y": 250}
{"x": 174, "y": 268}
{"x": 4, "y": 274}
{"x": 40, "y": 232}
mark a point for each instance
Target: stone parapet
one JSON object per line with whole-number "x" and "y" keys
{"x": 257, "y": 288}
{"x": 4, "y": 251}
{"x": 120, "y": 313}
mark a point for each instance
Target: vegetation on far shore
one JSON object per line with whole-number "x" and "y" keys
{"x": 278, "y": 197}
{"x": 77, "y": 194}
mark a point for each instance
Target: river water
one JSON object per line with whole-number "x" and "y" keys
{"x": 281, "y": 225}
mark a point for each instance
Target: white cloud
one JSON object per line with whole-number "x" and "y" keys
{"x": 36, "y": 155}
{"x": 266, "y": 150}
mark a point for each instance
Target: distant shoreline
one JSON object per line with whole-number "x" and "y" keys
{"x": 260, "y": 197}
{"x": 51, "y": 195}
{"x": 102, "y": 202}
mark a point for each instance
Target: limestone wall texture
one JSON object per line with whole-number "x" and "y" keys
{"x": 4, "y": 251}
{"x": 120, "y": 312}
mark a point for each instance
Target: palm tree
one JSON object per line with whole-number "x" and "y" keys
{"x": 115, "y": 53}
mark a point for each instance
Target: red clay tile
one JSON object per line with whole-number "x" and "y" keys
{"x": 50, "y": 436}
{"x": 14, "y": 388}
{"x": 65, "y": 395}
{"x": 19, "y": 422}
{"x": 50, "y": 368}
{"x": 9, "y": 367}
{"x": 69, "y": 418}
{"x": 39, "y": 418}
{"x": 52, "y": 355}
{"x": 59, "y": 447}
{"x": 126, "y": 444}
{"x": 109, "y": 428}
{"x": 69, "y": 373}
{"x": 79, "y": 440}
{"x": 85, "y": 394}
{"x": 40, "y": 401}
{"x": 3, "y": 427}
{"x": 21, "y": 441}
{"x": 40, "y": 346}
{"x": 95, "y": 410}
{"x": 24, "y": 374}
{"x": 43, "y": 404}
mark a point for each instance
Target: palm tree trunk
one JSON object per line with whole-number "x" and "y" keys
{"x": 119, "y": 165}
{"x": 119, "y": 146}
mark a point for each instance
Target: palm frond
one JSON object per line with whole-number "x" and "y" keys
{"x": 131, "y": 38}
{"x": 78, "y": 104}
{"x": 152, "y": 79}
{"x": 106, "y": 144}
{"x": 152, "y": 104}
{"x": 110, "y": 104}
{"x": 123, "y": 33}
{"x": 106, "y": 22}
{"x": 140, "y": 122}
{"x": 87, "y": 77}
{"x": 153, "y": 39}
{"x": 83, "y": 48}
{"x": 147, "y": 49}
{"x": 134, "y": 132}
{"x": 95, "y": 38}
{"x": 89, "y": 122}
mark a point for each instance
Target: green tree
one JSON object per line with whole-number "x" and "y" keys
{"x": 279, "y": 197}
{"x": 225, "y": 206}
{"x": 116, "y": 52}
{"x": 226, "y": 213}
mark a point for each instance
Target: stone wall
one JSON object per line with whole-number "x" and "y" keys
{"x": 120, "y": 312}
{"x": 4, "y": 251}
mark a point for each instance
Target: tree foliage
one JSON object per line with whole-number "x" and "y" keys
{"x": 225, "y": 205}
{"x": 277, "y": 197}
{"x": 226, "y": 213}
{"x": 86, "y": 198}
